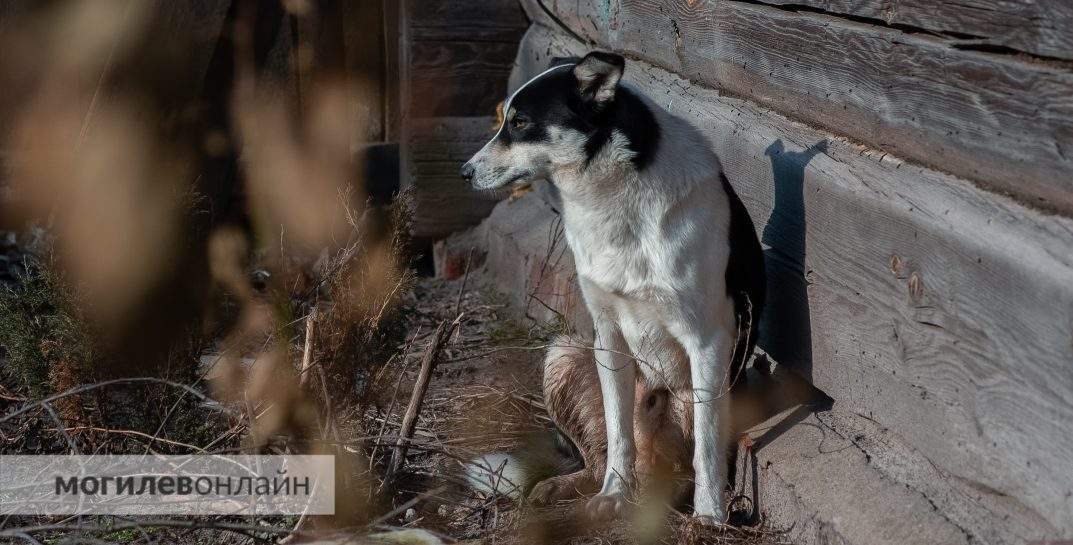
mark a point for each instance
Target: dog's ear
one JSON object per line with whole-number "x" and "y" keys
{"x": 597, "y": 76}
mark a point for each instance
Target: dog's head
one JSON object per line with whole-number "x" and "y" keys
{"x": 556, "y": 120}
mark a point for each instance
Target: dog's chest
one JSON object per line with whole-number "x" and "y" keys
{"x": 617, "y": 250}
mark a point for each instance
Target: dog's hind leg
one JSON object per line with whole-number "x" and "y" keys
{"x": 572, "y": 397}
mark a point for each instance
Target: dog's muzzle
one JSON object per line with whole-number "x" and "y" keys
{"x": 467, "y": 172}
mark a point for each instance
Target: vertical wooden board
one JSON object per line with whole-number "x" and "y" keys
{"x": 1041, "y": 27}
{"x": 998, "y": 120}
{"x": 963, "y": 345}
{"x": 392, "y": 72}
{"x": 364, "y": 42}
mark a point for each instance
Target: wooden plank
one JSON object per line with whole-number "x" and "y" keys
{"x": 364, "y": 42}
{"x": 392, "y": 73}
{"x": 461, "y": 17}
{"x": 455, "y": 78}
{"x": 1002, "y": 121}
{"x": 459, "y": 55}
{"x": 456, "y": 58}
{"x": 913, "y": 298}
{"x": 436, "y": 149}
{"x": 1041, "y": 27}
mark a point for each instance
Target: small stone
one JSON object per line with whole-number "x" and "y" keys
{"x": 411, "y": 514}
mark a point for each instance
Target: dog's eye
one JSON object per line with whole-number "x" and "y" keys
{"x": 519, "y": 122}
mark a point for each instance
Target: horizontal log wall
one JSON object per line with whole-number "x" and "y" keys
{"x": 1003, "y": 121}
{"x": 436, "y": 148}
{"x": 939, "y": 310}
{"x": 1041, "y": 27}
{"x": 459, "y": 55}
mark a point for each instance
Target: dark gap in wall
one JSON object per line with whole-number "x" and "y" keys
{"x": 978, "y": 43}
{"x": 996, "y": 49}
{"x": 871, "y": 21}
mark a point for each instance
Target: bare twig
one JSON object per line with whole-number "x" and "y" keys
{"x": 409, "y": 420}
{"x": 462, "y": 288}
{"x": 88, "y": 387}
{"x": 307, "y": 350}
{"x": 135, "y": 433}
{"x": 7, "y": 395}
{"x": 402, "y": 508}
{"x": 329, "y": 416}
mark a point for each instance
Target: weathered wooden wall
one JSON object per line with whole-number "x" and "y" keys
{"x": 916, "y": 299}
{"x": 457, "y": 57}
{"x": 1043, "y": 28}
{"x": 1004, "y": 120}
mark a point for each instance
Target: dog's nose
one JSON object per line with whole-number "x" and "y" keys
{"x": 467, "y": 172}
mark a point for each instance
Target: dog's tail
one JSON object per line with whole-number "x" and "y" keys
{"x": 514, "y": 474}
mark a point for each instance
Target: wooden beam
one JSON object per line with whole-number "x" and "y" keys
{"x": 489, "y": 20}
{"x": 456, "y": 59}
{"x": 911, "y": 297}
{"x": 999, "y": 120}
{"x": 460, "y": 55}
{"x": 1041, "y": 27}
{"x": 458, "y": 78}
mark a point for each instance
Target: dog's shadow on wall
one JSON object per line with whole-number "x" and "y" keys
{"x": 786, "y": 329}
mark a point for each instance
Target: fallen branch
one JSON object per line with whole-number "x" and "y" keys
{"x": 409, "y": 420}
{"x": 135, "y": 433}
{"x": 307, "y": 350}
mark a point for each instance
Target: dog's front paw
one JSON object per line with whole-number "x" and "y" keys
{"x": 606, "y": 506}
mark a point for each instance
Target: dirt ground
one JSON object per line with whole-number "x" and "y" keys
{"x": 485, "y": 397}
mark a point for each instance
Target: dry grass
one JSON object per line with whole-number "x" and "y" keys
{"x": 485, "y": 398}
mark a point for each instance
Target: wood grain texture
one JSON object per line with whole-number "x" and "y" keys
{"x": 1040, "y": 27}
{"x": 465, "y": 19}
{"x": 456, "y": 78}
{"x": 459, "y": 55}
{"x": 455, "y": 60}
{"x": 436, "y": 149}
{"x": 913, "y": 298}
{"x": 1001, "y": 121}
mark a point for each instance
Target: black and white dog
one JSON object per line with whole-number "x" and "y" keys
{"x": 666, "y": 255}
